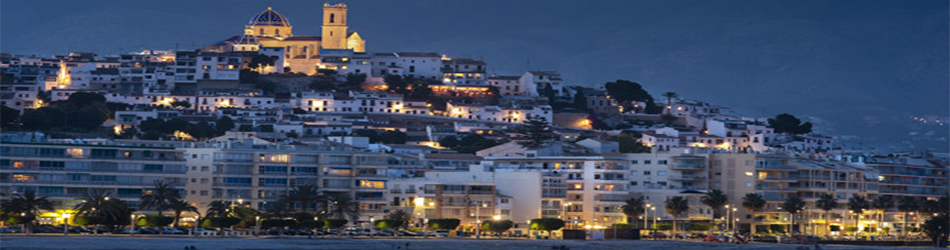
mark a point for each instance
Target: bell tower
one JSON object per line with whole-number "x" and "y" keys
{"x": 334, "y": 26}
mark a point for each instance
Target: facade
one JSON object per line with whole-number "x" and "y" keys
{"x": 66, "y": 172}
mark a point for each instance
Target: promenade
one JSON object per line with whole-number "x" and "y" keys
{"x": 40, "y": 242}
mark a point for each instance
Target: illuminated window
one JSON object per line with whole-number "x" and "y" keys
{"x": 372, "y": 184}
{"x": 275, "y": 158}
{"x": 17, "y": 164}
{"x": 23, "y": 178}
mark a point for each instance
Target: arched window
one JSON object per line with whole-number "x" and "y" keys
{"x": 331, "y": 33}
{"x": 331, "y": 18}
{"x": 262, "y": 31}
{"x": 276, "y": 32}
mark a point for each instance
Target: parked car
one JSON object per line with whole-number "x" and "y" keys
{"x": 659, "y": 235}
{"x": 441, "y": 233}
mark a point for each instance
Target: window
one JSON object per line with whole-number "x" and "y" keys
{"x": 646, "y": 172}
{"x": 633, "y": 172}
{"x": 204, "y": 169}
{"x": 633, "y": 183}
{"x": 633, "y": 162}
{"x": 661, "y": 173}
{"x": 661, "y": 162}
{"x": 646, "y": 162}
{"x": 332, "y": 17}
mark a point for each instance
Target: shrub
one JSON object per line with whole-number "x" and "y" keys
{"x": 623, "y": 226}
{"x": 311, "y": 224}
{"x": 387, "y": 224}
{"x": 278, "y": 223}
{"x": 154, "y": 221}
{"x": 220, "y": 222}
{"x": 777, "y": 229}
{"x": 497, "y": 226}
{"x": 663, "y": 226}
{"x": 334, "y": 223}
{"x": 850, "y": 229}
{"x": 547, "y": 224}
{"x": 444, "y": 224}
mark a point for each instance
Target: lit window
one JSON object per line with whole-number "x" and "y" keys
{"x": 372, "y": 184}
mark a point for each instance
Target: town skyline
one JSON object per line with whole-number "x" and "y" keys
{"x": 839, "y": 91}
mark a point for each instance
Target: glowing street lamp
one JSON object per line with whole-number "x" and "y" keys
{"x": 65, "y": 224}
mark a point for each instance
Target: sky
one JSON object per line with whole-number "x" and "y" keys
{"x": 873, "y": 73}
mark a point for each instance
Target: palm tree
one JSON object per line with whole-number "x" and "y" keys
{"x": 305, "y": 195}
{"x": 906, "y": 205}
{"x": 793, "y": 205}
{"x": 401, "y": 216}
{"x": 676, "y": 206}
{"x": 179, "y": 206}
{"x": 279, "y": 209}
{"x": 106, "y": 211}
{"x": 753, "y": 202}
{"x": 881, "y": 204}
{"x": 826, "y": 202}
{"x": 669, "y": 100}
{"x": 715, "y": 199}
{"x": 857, "y": 205}
{"x": 217, "y": 209}
{"x": 633, "y": 207}
{"x": 342, "y": 206}
{"x": 159, "y": 197}
{"x": 28, "y": 205}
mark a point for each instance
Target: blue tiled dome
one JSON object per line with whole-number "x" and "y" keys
{"x": 269, "y": 17}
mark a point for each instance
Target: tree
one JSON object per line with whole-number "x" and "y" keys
{"x": 444, "y": 224}
{"x": 548, "y": 92}
{"x": 826, "y": 202}
{"x": 43, "y": 119}
{"x": 322, "y": 84}
{"x": 179, "y": 206}
{"x": 669, "y": 101}
{"x": 308, "y": 196}
{"x": 716, "y": 200}
{"x": 937, "y": 228}
{"x": 633, "y": 207}
{"x": 400, "y": 215}
{"x": 449, "y": 141}
{"x": 99, "y": 209}
{"x": 626, "y": 92}
{"x": 629, "y": 143}
{"x": 881, "y": 204}
{"x": 420, "y": 89}
{"x": 217, "y": 209}
{"x": 83, "y": 99}
{"x": 676, "y": 206}
{"x": 396, "y": 84}
{"x": 260, "y": 61}
{"x": 8, "y": 117}
{"x": 580, "y": 101}
{"x": 753, "y": 202}
{"x": 906, "y": 205}
{"x": 857, "y": 205}
{"x": 181, "y": 104}
{"x": 547, "y": 224}
{"x": 793, "y": 205}
{"x": 497, "y": 226}
{"x": 354, "y": 79}
{"x": 27, "y": 204}
{"x": 536, "y": 131}
{"x": 789, "y": 124}
{"x": 159, "y": 197}
{"x": 223, "y": 124}
{"x": 343, "y": 206}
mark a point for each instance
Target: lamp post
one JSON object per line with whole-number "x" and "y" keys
{"x": 529, "y": 228}
{"x": 478, "y": 222}
{"x": 197, "y": 221}
{"x": 65, "y": 224}
{"x": 425, "y": 228}
{"x": 654, "y": 221}
{"x": 372, "y": 226}
{"x": 132, "y": 226}
{"x": 734, "y": 219}
{"x": 23, "y": 225}
{"x": 646, "y": 212}
{"x": 257, "y": 225}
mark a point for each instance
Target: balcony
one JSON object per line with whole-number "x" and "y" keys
{"x": 776, "y": 167}
{"x": 686, "y": 177}
{"x": 688, "y": 167}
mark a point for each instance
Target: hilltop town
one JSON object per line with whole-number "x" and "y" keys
{"x": 255, "y": 118}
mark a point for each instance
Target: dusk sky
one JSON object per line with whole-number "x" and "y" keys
{"x": 860, "y": 70}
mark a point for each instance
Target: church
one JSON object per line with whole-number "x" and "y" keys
{"x": 270, "y": 33}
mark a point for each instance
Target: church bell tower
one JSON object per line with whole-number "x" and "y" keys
{"x": 334, "y": 26}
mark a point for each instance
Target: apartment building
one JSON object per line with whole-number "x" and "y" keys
{"x": 65, "y": 172}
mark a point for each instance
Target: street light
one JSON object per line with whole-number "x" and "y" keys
{"x": 564, "y": 210}
{"x": 65, "y": 224}
{"x": 372, "y": 226}
{"x": 425, "y": 228}
{"x": 198, "y": 221}
{"x": 257, "y": 225}
{"x": 646, "y": 212}
{"x": 132, "y": 226}
{"x": 496, "y": 217}
{"x": 478, "y": 222}
{"x": 734, "y": 226}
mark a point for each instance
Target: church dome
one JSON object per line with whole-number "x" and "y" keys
{"x": 269, "y": 17}
{"x": 248, "y": 39}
